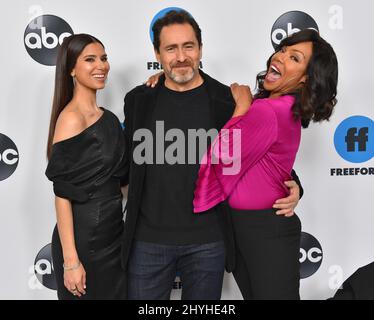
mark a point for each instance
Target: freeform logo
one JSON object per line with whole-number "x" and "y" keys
{"x": 43, "y": 268}
{"x": 43, "y": 36}
{"x": 8, "y": 157}
{"x": 354, "y": 139}
{"x": 354, "y": 142}
{"x": 311, "y": 255}
{"x": 290, "y": 23}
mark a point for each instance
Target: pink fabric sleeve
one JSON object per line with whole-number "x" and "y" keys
{"x": 241, "y": 143}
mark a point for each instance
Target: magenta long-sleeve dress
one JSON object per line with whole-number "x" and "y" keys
{"x": 260, "y": 163}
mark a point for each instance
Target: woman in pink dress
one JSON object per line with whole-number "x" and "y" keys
{"x": 299, "y": 86}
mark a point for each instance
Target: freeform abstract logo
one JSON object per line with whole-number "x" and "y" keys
{"x": 354, "y": 139}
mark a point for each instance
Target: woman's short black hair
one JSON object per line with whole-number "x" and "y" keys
{"x": 315, "y": 101}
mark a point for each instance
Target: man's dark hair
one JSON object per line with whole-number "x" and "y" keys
{"x": 174, "y": 17}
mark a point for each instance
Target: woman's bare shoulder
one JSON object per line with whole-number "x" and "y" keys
{"x": 69, "y": 123}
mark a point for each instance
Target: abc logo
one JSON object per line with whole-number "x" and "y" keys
{"x": 43, "y": 267}
{"x": 354, "y": 140}
{"x": 311, "y": 255}
{"x": 8, "y": 157}
{"x": 159, "y": 15}
{"x": 43, "y": 36}
{"x": 290, "y": 23}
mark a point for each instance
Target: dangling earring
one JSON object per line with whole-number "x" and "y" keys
{"x": 74, "y": 80}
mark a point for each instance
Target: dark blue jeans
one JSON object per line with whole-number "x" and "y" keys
{"x": 153, "y": 267}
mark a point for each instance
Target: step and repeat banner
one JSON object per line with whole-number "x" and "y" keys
{"x": 335, "y": 162}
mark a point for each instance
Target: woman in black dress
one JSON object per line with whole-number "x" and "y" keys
{"x": 85, "y": 152}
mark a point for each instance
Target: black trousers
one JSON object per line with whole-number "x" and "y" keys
{"x": 267, "y": 250}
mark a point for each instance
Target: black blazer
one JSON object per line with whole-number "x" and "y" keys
{"x": 359, "y": 286}
{"x": 138, "y": 108}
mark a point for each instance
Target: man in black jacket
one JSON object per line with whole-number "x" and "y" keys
{"x": 162, "y": 235}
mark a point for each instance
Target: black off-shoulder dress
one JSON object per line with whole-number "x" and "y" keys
{"x": 87, "y": 169}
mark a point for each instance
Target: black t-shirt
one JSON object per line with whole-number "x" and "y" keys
{"x": 166, "y": 211}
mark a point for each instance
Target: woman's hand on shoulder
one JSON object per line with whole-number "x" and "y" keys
{"x": 243, "y": 98}
{"x": 153, "y": 80}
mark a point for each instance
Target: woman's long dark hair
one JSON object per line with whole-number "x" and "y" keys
{"x": 67, "y": 57}
{"x": 315, "y": 101}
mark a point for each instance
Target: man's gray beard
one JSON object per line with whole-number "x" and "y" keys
{"x": 182, "y": 79}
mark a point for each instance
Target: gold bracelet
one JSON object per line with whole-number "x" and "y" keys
{"x": 71, "y": 268}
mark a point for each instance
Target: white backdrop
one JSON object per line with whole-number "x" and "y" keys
{"x": 336, "y": 210}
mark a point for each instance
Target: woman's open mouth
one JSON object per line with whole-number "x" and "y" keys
{"x": 273, "y": 74}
